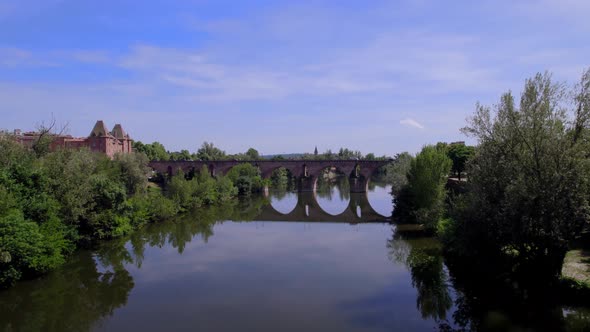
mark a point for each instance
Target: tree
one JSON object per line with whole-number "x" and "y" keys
{"x": 45, "y": 136}
{"x": 422, "y": 199}
{"x": 183, "y": 155}
{"x": 208, "y": 151}
{"x": 155, "y": 151}
{"x": 134, "y": 171}
{"x": 530, "y": 179}
{"x": 247, "y": 178}
{"x": 252, "y": 154}
{"x": 397, "y": 171}
{"x": 460, "y": 154}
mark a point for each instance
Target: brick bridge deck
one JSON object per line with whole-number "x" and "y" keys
{"x": 305, "y": 171}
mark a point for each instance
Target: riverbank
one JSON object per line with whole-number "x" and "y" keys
{"x": 576, "y": 266}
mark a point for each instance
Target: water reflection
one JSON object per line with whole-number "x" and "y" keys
{"x": 225, "y": 268}
{"x": 74, "y": 298}
{"x": 380, "y": 198}
{"x": 423, "y": 257}
{"x": 308, "y": 208}
{"x": 283, "y": 201}
{"x": 333, "y": 192}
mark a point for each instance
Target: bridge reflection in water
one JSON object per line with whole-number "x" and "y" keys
{"x": 307, "y": 208}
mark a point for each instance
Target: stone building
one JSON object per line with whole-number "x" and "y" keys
{"x": 100, "y": 140}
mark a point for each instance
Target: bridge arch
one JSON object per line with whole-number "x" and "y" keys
{"x": 308, "y": 210}
{"x": 332, "y": 188}
{"x": 267, "y": 170}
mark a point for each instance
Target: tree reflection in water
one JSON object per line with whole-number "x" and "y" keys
{"x": 479, "y": 304}
{"x": 422, "y": 256}
{"x": 92, "y": 285}
{"x": 326, "y": 186}
{"x": 88, "y": 290}
{"x": 72, "y": 298}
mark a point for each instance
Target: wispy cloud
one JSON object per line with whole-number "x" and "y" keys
{"x": 90, "y": 56}
{"x": 293, "y": 68}
{"x": 409, "y": 122}
{"x": 10, "y": 56}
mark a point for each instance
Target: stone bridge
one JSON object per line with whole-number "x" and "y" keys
{"x": 306, "y": 172}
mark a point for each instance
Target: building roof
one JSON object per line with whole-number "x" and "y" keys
{"x": 118, "y": 132}
{"x": 99, "y": 130}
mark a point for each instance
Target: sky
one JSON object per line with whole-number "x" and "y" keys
{"x": 279, "y": 76}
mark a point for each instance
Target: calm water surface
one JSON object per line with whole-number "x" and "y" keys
{"x": 264, "y": 264}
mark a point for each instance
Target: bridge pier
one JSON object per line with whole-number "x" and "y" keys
{"x": 307, "y": 183}
{"x": 358, "y": 184}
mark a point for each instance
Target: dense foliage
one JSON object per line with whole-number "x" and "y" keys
{"x": 396, "y": 173}
{"x": 529, "y": 181}
{"x": 459, "y": 155}
{"x": 200, "y": 190}
{"x": 247, "y": 179}
{"x": 422, "y": 199}
{"x": 53, "y": 202}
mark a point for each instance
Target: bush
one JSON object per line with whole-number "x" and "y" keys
{"x": 201, "y": 189}
{"x": 26, "y": 251}
{"x": 422, "y": 199}
{"x": 247, "y": 178}
{"x": 52, "y": 201}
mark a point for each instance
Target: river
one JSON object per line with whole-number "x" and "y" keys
{"x": 284, "y": 262}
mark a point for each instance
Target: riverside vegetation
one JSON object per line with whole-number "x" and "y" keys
{"x": 508, "y": 209}
{"x": 52, "y": 203}
{"x": 526, "y": 199}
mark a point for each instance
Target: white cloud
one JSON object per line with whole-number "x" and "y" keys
{"x": 411, "y": 123}
{"x": 274, "y": 69}
{"x": 10, "y": 56}
{"x": 18, "y": 57}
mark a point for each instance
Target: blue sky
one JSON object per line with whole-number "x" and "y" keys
{"x": 280, "y": 76}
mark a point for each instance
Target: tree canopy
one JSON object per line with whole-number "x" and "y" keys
{"x": 459, "y": 154}
{"x": 529, "y": 180}
{"x": 208, "y": 151}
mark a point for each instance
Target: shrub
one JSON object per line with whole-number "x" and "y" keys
{"x": 422, "y": 199}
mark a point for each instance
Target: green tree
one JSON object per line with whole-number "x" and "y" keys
{"x": 281, "y": 178}
{"x": 154, "y": 151}
{"x": 252, "y": 154}
{"x": 27, "y": 251}
{"x": 247, "y": 178}
{"x": 133, "y": 171}
{"x": 422, "y": 199}
{"x": 180, "y": 156}
{"x": 397, "y": 171}
{"x": 208, "y": 151}
{"x": 460, "y": 154}
{"x": 530, "y": 179}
